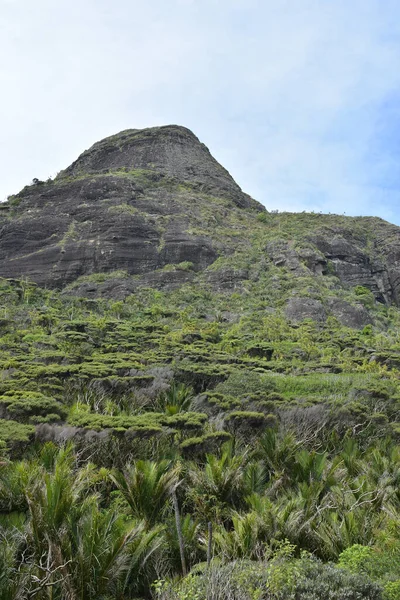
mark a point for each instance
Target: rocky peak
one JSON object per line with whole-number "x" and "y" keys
{"x": 169, "y": 151}
{"x": 153, "y": 208}
{"x": 137, "y": 202}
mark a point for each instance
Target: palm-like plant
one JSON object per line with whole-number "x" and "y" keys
{"x": 176, "y": 399}
{"x": 55, "y": 496}
{"x": 218, "y": 486}
{"x": 309, "y": 466}
{"x": 244, "y": 539}
{"x": 194, "y": 544}
{"x": 255, "y": 478}
{"x": 57, "y": 500}
{"x": 338, "y": 531}
{"x": 107, "y": 553}
{"x": 351, "y": 457}
{"x": 277, "y": 453}
{"x": 80, "y": 551}
{"x": 146, "y": 486}
{"x": 15, "y": 478}
{"x": 14, "y": 577}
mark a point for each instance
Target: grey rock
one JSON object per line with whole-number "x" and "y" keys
{"x": 355, "y": 263}
{"x": 349, "y": 315}
{"x": 299, "y": 309}
{"x": 226, "y": 278}
{"x": 171, "y": 151}
{"x": 127, "y": 204}
{"x": 367, "y": 255}
{"x": 119, "y": 288}
{"x": 142, "y": 200}
{"x": 300, "y": 261}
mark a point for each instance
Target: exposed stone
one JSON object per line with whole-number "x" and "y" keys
{"x": 126, "y": 204}
{"x": 349, "y": 315}
{"x": 227, "y": 279}
{"x": 371, "y": 259}
{"x": 299, "y": 309}
{"x": 143, "y": 200}
{"x": 171, "y": 151}
{"x": 299, "y": 260}
{"x": 119, "y": 288}
{"x": 356, "y": 265}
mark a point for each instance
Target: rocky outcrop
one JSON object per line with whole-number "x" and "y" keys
{"x": 171, "y": 151}
{"x": 349, "y": 315}
{"x": 153, "y": 208}
{"x": 227, "y": 279}
{"x": 356, "y": 265}
{"x": 367, "y": 256}
{"x": 129, "y": 204}
{"x": 300, "y": 260}
{"x": 299, "y": 309}
{"x": 355, "y": 316}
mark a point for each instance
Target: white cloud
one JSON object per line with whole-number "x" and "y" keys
{"x": 288, "y": 95}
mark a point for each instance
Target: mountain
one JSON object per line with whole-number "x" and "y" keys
{"x": 136, "y": 201}
{"x": 176, "y": 361}
{"x": 152, "y": 207}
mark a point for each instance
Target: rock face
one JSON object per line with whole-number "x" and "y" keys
{"x": 171, "y": 151}
{"x": 349, "y": 315}
{"x": 153, "y": 208}
{"x": 299, "y": 309}
{"x": 128, "y": 203}
{"x": 367, "y": 254}
{"x": 354, "y": 265}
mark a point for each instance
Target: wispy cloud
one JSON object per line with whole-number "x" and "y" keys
{"x": 297, "y": 98}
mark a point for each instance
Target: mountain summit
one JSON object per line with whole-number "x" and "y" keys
{"x": 171, "y": 151}
{"x": 153, "y": 208}
{"x": 195, "y": 338}
{"x": 136, "y": 201}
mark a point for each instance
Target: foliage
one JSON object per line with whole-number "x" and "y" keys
{"x": 284, "y": 436}
{"x": 284, "y": 579}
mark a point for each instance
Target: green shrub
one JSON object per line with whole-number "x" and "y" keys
{"x": 185, "y": 266}
{"x": 330, "y": 583}
{"x": 206, "y": 444}
{"x": 392, "y": 590}
{"x": 249, "y": 421}
{"x": 31, "y": 407}
{"x": 357, "y": 558}
{"x": 283, "y": 579}
{"x": 12, "y": 432}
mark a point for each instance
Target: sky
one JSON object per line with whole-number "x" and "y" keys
{"x": 298, "y": 99}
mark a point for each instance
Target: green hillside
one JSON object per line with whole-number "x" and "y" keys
{"x": 283, "y": 434}
{"x": 199, "y": 400}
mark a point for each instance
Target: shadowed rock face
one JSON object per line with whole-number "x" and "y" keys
{"x": 367, "y": 255}
{"x": 128, "y": 203}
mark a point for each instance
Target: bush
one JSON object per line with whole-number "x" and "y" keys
{"x": 30, "y": 407}
{"x": 357, "y": 558}
{"x": 282, "y": 579}
{"x": 206, "y": 444}
{"x": 14, "y": 436}
{"x": 380, "y": 563}
{"x": 392, "y": 590}
{"x": 249, "y": 422}
{"x": 330, "y": 583}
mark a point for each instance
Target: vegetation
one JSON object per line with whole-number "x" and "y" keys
{"x": 202, "y": 425}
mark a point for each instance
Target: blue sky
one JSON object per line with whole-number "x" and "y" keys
{"x": 298, "y": 99}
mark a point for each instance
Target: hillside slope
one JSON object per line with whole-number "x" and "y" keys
{"x": 163, "y": 337}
